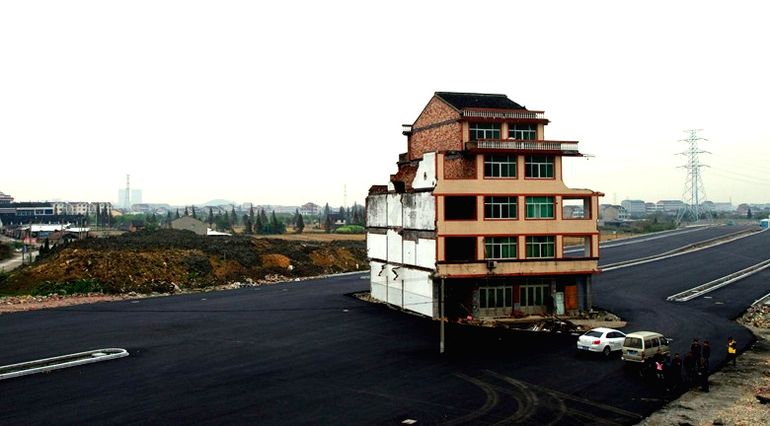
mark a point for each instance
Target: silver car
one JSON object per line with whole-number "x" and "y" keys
{"x": 601, "y": 339}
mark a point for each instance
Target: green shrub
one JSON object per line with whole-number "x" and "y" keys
{"x": 83, "y": 286}
{"x": 350, "y": 229}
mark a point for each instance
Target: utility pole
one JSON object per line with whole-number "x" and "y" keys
{"x": 694, "y": 193}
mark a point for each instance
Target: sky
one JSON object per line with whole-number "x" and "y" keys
{"x": 297, "y": 101}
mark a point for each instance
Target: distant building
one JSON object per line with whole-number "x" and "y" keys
{"x": 612, "y": 213}
{"x": 310, "y": 209}
{"x": 136, "y": 198}
{"x": 635, "y": 208}
{"x": 670, "y": 207}
{"x": 5, "y": 199}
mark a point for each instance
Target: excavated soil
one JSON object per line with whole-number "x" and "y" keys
{"x": 168, "y": 260}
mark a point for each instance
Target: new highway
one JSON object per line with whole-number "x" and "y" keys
{"x": 309, "y": 353}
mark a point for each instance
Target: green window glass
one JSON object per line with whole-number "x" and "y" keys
{"x": 500, "y": 248}
{"x": 540, "y": 247}
{"x": 540, "y": 207}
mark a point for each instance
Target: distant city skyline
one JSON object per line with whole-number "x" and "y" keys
{"x": 284, "y": 102}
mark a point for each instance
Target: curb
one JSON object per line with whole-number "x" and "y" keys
{"x": 59, "y": 362}
{"x": 710, "y": 286}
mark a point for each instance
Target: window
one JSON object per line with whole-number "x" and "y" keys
{"x": 495, "y": 297}
{"x": 538, "y": 166}
{"x": 500, "y": 207}
{"x": 500, "y": 248}
{"x": 500, "y": 166}
{"x": 527, "y": 132}
{"x": 484, "y": 131}
{"x": 539, "y": 207}
{"x": 533, "y": 295}
{"x": 459, "y": 248}
{"x": 460, "y": 208}
{"x": 540, "y": 247}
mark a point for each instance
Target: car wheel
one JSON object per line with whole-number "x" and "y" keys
{"x": 606, "y": 351}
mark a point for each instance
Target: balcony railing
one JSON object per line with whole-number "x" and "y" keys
{"x": 536, "y": 115}
{"x": 565, "y": 147}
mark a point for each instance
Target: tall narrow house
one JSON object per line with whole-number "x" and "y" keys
{"x": 479, "y": 206}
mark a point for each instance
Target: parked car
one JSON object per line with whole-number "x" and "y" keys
{"x": 601, "y": 339}
{"x": 641, "y": 346}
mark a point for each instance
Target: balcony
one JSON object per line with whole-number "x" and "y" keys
{"x": 568, "y": 148}
{"x": 523, "y": 114}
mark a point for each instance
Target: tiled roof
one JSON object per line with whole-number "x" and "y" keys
{"x": 478, "y": 100}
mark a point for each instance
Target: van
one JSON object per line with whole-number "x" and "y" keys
{"x": 642, "y": 346}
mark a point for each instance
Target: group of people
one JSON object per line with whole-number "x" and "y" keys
{"x": 692, "y": 370}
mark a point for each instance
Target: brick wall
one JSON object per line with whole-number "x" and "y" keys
{"x": 459, "y": 167}
{"x": 446, "y": 135}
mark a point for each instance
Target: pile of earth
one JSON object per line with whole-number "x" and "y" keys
{"x": 166, "y": 260}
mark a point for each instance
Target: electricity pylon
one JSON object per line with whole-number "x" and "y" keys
{"x": 694, "y": 193}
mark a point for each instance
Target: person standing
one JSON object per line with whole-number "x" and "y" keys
{"x": 706, "y": 352}
{"x": 676, "y": 372}
{"x": 689, "y": 368}
{"x": 703, "y": 374}
{"x": 695, "y": 348}
{"x": 732, "y": 350}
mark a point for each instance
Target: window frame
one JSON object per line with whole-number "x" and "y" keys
{"x": 495, "y": 161}
{"x": 488, "y": 131}
{"x": 537, "y": 245}
{"x": 492, "y": 205}
{"x": 531, "y": 202}
{"x": 514, "y": 130}
{"x": 501, "y": 244}
{"x": 532, "y": 163}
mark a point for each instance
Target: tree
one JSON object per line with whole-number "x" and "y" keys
{"x": 193, "y": 213}
{"x": 299, "y": 225}
{"x": 186, "y": 212}
{"x": 258, "y": 225}
{"x": 168, "y": 218}
{"x": 151, "y": 222}
{"x": 233, "y": 217}
{"x": 98, "y": 215}
{"x": 251, "y": 214}
{"x": 265, "y": 223}
{"x": 246, "y": 224}
{"x": 749, "y": 215}
{"x": 227, "y": 220}
{"x": 277, "y": 227}
{"x": 177, "y": 213}
{"x": 327, "y": 211}
{"x": 328, "y": 224}
{"x": 211, "y": 217}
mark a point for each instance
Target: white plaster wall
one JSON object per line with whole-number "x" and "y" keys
{"x": 375, "y": 210}
{"x": 417, "y": 291}
{"x": 426, "y": 172}
{"x": 375, "y": 246}
{"x": 394, "y": 246}
{"x": 377, "y": 280}
{"x": 426, "y": 253}
{"x": 419, "y": 211}
{"x": 394, "y": 210}
{"x": 410, "y": 253}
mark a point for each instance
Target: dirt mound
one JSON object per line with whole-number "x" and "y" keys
{"x": 165, "y": 260}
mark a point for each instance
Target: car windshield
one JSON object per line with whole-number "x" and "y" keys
{"x": 593, "y": 333}
{"x": 633, "y": 342}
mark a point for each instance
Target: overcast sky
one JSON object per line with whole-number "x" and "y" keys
{"x": 288, "y": 102}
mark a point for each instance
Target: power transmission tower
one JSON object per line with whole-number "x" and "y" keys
{"x": 694, "y": 193}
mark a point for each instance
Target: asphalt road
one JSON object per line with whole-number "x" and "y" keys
{"x": 634, "y": 248}
{"x": 307, "y": 353}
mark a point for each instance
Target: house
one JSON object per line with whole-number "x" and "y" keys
{"x": 476, "y": 208}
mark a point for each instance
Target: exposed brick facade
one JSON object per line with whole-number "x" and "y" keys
{"x": 435, "y": 130}
{"x": 459, "y": 167}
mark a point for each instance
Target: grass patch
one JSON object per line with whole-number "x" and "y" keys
{"x": 83, "y": 286}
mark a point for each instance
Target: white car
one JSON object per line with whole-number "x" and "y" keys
{"x": 601, "y": 339}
